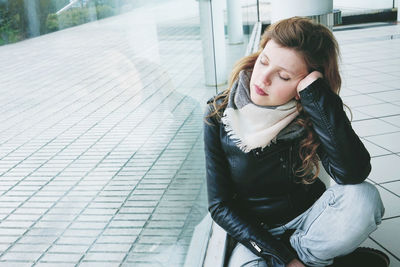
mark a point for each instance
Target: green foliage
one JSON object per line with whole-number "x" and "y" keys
{"x": 10, "y": 22}
{"x": 9, "y": 35}
{"x": 76, "y": 16}
{"x": 52, "y": 23}
{"x": 14, "y": 20}
{"x": 104, "y": 12}
{"x": 73, "y": 17}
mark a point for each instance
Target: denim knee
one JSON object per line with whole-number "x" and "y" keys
{"x": 361, "y": 200}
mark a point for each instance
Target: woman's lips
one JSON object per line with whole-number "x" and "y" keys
{"x": 260, "y": 91}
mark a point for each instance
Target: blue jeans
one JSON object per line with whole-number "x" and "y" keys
{"x": 338, "y": 222}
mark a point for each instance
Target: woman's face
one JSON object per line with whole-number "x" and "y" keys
{"x": 276, "y": 74}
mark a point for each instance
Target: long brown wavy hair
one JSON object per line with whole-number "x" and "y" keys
{"x": 320, "y": 51}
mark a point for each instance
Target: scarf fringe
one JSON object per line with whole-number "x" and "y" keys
{"x": 236, "y": 139}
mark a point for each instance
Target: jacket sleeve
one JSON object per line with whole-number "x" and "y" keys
{"x": 342, "y": 153}
{"x": 224, "y": 213}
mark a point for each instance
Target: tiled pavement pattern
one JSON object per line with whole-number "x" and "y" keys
{"x": 101, "y": 147}
{"x": 371, "y": 88}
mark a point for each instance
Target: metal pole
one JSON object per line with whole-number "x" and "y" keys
{"x": 213, "y": 41}
{"x": 235, "y": 24}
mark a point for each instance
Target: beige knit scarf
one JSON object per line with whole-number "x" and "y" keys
{"x": 252, "y": 126}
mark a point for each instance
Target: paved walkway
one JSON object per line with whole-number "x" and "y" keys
{"x": 101, "y": 146}
{"x": 371, "y": 88}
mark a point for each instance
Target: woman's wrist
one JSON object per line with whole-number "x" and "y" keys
{"x": 306, "y": 81}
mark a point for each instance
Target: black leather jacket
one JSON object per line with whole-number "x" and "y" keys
{"x": 249, "y": 193}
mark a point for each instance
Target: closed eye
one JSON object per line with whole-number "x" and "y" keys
{"x": 285, "y": 79}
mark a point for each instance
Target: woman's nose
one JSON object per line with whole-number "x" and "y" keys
{"x": 267, "y": 77}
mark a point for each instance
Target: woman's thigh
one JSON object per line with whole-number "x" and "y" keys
{"x": 243, "y": 257}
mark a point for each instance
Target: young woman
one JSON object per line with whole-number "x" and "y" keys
{"x": 264, "y": 137}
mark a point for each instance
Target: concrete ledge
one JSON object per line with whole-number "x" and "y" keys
{"x": 199, "y": 245}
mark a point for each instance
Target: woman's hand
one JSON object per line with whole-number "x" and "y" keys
{"x": 295, "y": 263}
{"x": 306, "y": 81}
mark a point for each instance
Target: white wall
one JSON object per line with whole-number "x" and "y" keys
{"x": 363, "y": 4}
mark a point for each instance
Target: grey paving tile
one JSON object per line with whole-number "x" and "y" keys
{"x": 360, "y": 100}
{"x": 16, "y": 263}
{"x": 373, "y": 127}
{"x": 355, "y": 115}
{"x": 391, "y": 203}
{"x": 81, "y": 240}
{"x": 388, "y": 96}
{"x": 104, "y": 256}
{"x": 115, "y": 247}
{"x": 16, "y": 224}
{"x": 394, "y": 84}
{"x": 94, "y": 218}
{"x": 61, "y": 248}
{"x": 21, "y": 256}
{"x": 131, "y": 216}
{"x": 99, "y": 264}
{"x": 124, "y": 231}
{"x": 387, "y": 235}
{"x": 52, "y": 224}
{"x": 40, "y": 239}
{"x": 384, "y": 168}
{"x": 116, "y": 239}
{"x": 9, "y": 239}
{"x": 126, "y": 224}
{"x": 145, "y": 210}
{"x": 161, "y": 232}
{"x": 380, "y": 77}
{"x": 51, "y": 264}
{"x": 11, "y": 231}
{"x": 4, "y": 246}
{"x": 81, "y": 233}
{"x": 164, "y": 240}
{"x": 395, "y": 120}
{"x": 369, "y": 87}
{"x": 99, "y": 211}
{"x": 380, "y": 110}
{"x": 388, "y": 141}
{"x": 61, "y": 257}
{"x": 165, "y": 224}
{"x": 37, "y": 232}
{"x": 393, "y": 187}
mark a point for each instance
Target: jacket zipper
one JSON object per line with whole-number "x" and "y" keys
{"x": 255, "y": 246}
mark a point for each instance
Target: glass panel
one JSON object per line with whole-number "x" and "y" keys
{"x": 236, "y": 50}
{"x": 101, "y": 137}
{"x": 101, "y": 144}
